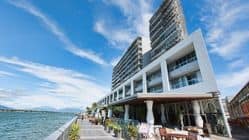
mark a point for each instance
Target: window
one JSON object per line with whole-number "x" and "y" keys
{"x": 192, "y": 79}
{"x": 156, "y": 89}
{"x": 182, "y": 61}
{"x": 188, "y": 79}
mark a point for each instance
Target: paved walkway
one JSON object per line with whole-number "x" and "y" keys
{"x": 89, "y": 131}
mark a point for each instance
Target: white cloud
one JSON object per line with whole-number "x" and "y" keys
{"x": 4, "y": 93}
{"x": 137, "y": 15}
{"x": 115, "y": 61}
{"x": 77, "y": 88}
{"x": 10, "y": 93}
{"x": 54, "y": 29}
{"x": 5, "y": 73}
{"x": 227, "y": 35}
{"x": 118, "y": 38}
{"x": 225, "y": 24}
{"x": 233, "y": 80}
{"x": 238, "y": 63}
{"x": 231, "y": 45}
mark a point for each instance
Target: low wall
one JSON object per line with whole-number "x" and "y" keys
{"x": 63, "y": 132}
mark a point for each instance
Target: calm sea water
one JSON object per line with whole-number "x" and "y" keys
{"x": 30, "y": 125}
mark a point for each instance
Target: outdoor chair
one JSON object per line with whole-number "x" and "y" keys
{"x": 177, "y": 137}
{"x": 172, "y": 135}
{"x": 143, "y": 130}
{"x": 192, "y": 136}
{"x": 163, "y": 133}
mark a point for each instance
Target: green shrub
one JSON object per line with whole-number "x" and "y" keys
{"x": 110, "y": 125}
{"x": 117, "y": 128}
{"x": 132, "y": 131}
{"x": 74, "y": 132}
{"x": 108, "y": 122}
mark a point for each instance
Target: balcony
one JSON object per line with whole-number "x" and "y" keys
{"x": 155, "y": 89}
{"x": 120, "y": 96}
{"x": 187, "y": 68}
{"x": 139, "y": 88}
{"x": 155, "y": 81}
{"x": 128, "y": 93}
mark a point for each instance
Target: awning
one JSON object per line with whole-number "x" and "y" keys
{"x": 163, "y": 97}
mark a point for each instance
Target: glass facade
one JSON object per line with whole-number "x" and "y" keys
{"x": 191, "y": 57}
{"x": 185, "y": 80}
{"x": 154, "y": 82}
{"x": 156, "y": 89}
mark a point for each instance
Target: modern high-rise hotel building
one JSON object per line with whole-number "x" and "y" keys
{"x": 174, "y": 76}
{"x": 167, "y": 27}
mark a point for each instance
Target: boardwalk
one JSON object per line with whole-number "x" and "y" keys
{"x": 89, "y": 131}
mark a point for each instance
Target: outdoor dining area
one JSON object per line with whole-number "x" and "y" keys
{"x": 131, "y": 129}
{"x": 178, "y": 120}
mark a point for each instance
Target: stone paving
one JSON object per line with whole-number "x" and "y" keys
{"x": 89, "y": 131}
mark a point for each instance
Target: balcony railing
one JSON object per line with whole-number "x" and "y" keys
{"x": 155, "y": 81}
{"x": 159, "y": 90}
{"x": 187, "y": 68}
{"x": 139, "y": 88}
{"x": 128, "y": 93}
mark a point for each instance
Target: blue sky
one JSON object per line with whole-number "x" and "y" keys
{"x": 61, "y": 55}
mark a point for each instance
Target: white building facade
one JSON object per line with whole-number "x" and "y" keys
{"x": 175, "y": 85}
{"x": 182, "y": 76}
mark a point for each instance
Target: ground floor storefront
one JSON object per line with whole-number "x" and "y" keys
{"x": 203, "y": 113}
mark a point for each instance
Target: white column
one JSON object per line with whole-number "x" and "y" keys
{"x": 163, "y": 119}
{"x": 196, "y": 109}
{"x": 144, "y": 83}
{"x": 132, "y": 87}
{"x": 97, "y": 113}
{"x": 164, "y": 74}
{"x": 103, "y": 113}
{"x": 126, "y": 115}
{"x": 225, "y": 118}
{"x": 123, "y": 92}
{"x": 149, "y": 115}
{"x": 109, "y": 113}
{"x": 167, "y": 76}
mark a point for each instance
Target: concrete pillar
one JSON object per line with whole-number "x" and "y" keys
{"x": 126, "y": 115}
{"x": 196, "y": 109}
{"x": 109, "y": 113}
{"x": 165, "y": 79}
{"x": 97, "y": 113}
{"x": 149, "y": 115}
{"x": 163, "y": 118}
{"x": 103, "y": 113}
{"x": 132, "y": 87}
{"x": 227, "y": 126}
{"x": 144, "y": 83}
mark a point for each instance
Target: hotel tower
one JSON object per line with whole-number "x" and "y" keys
{"x": 174, "y": 76}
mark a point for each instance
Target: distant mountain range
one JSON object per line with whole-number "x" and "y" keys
{"x": 4, "y": 107}
{"x": 46, "y": 108}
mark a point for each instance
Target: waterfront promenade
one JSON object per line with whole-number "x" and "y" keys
{"x": 89, "y": 131}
